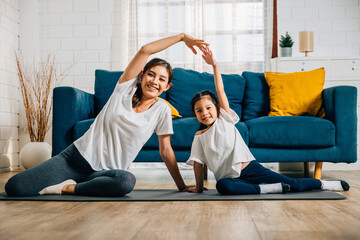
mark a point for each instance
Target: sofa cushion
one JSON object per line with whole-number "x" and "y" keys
{"x": 81, "y": 127}
{"x": 174, "y": 112}
{"x": 244, "y": 131}
{"x": 186, "y": 83}
{"x": 291, "y": 132}
{"x": 256, "y": 98}
{"x": 105, "y": 82}
{"x": 184, "y": 131}
{"x": 296, "y": 94}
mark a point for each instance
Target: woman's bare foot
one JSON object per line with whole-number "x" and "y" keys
{"x": 58, "y": 188}
{"x": 68, "y": 189}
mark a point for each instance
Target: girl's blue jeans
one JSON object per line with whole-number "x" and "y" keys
{"x": 254, "y": 174}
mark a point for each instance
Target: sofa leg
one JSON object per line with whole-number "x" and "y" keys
{"x": 205, "y": 171}
{"x": 318, "y": 167}
{"x": 306, "y": 169}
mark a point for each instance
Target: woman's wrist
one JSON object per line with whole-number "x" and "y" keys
{"x": 182, "y": 187}
{"x": 199, "y": 189}
{"x": 182, "y": 36}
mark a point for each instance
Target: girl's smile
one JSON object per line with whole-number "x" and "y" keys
{"x": 206, "y": 111}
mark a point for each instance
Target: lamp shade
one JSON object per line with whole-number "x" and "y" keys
{"x": 306, "y": 41}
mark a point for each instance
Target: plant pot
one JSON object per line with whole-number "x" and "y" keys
{"x": 285, "y": 52}
{"x": 34, "y": 153}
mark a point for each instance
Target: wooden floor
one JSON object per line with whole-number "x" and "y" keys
{"x": 339, "y": 219}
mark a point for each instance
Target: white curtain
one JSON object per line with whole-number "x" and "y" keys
{"x": 239, "y": 32}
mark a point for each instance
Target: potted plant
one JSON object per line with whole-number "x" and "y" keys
{"x": 37, "y": 82}
{"x": 286, "y": 44}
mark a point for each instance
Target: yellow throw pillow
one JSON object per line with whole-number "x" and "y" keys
{"x": 296, "y": 94}
{"x": 174, "y": 112}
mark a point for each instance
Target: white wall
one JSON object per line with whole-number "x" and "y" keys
{"x": 9, "y": 87}
{"x": 79, "y": 33}
{"x": 336, "y": 25}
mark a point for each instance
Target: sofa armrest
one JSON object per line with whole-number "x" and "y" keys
{"x": 70, "y": 105}
{"x": 340, "y": 105}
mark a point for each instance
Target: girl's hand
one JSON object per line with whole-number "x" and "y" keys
{"x": 191, "y": 42}
{"x": 194, "y": 189}
{"x": 186, "y": 188}
{"x": 209, "y": 57}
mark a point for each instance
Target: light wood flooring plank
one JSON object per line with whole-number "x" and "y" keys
{"x": 184, "y": 220}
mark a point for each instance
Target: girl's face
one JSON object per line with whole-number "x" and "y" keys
{"x": 154, "y": 81}
{"x": 206, "y": 111}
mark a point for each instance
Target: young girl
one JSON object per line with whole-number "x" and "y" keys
{"x": 219, "y": 145}
{"x": 96, "y": 163}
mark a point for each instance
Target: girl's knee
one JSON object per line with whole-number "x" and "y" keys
{"x": 223, "y": 186}
{"x": 296, "y": 187}
{"x": 305, "y": 184}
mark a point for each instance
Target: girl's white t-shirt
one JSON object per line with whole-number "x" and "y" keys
{"x": 221, "y": 147}
{"x": 118, "y": 132}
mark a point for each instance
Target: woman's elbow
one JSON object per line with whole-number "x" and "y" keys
{"x": 145, "y": 49}
{"x": 165, "y": 152}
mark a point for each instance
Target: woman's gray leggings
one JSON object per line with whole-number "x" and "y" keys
{"x": 69, "y": 164}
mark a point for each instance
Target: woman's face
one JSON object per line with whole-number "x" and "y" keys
{"x": 154, "y": 81}
{"x": 205, "y": 111}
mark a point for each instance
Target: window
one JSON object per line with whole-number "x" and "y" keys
{"x": 235, "y": 30}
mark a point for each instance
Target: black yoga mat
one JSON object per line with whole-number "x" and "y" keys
{"x": 173, "y": 195}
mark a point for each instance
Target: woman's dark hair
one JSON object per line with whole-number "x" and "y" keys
{"x": 200, "y": 95}
{"x": 136, "y": 100}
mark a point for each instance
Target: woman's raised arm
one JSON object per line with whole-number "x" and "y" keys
{"x": 138, "y": 62}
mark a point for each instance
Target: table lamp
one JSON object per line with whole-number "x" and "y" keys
{"x": 306, "y": 42}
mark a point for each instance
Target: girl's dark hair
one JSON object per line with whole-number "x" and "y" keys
{"x": 200, "y": 95}
{"x": 136, "y": 100}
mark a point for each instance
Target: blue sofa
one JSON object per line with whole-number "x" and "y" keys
{"x": 271, "y": 139}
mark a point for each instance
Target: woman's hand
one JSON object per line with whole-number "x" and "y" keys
{"x": 191, "y": 42}
{"x": 209, "y": 57}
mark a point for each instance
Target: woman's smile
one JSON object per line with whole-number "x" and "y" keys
{"x": 152, "y": 88}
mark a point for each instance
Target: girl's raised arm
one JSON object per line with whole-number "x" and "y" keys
{"x": 141, "y": 57}
{"x": 219, "y": 85}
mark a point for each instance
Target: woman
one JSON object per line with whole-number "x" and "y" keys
{"x": 94, "y": 165}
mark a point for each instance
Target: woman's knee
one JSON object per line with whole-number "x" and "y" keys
{"x": 223, "y": 186}
{"x": 125, "y": 181}
{"x": 14, "y": 187}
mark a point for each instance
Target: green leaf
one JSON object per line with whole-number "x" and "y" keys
{"x": 286, "y": 41}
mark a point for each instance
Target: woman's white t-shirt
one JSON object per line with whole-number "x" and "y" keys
{"x": 118, "y": 132}
{"x": 221, "y": 147}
